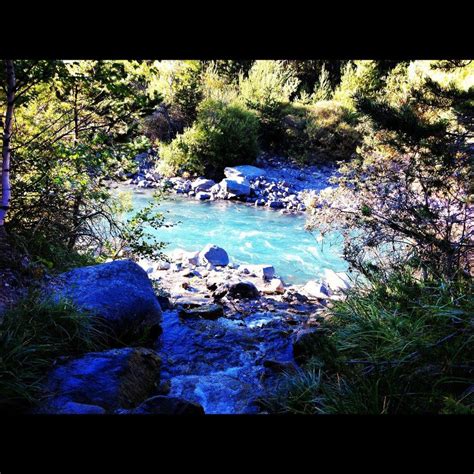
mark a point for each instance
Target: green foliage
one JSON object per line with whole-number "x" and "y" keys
{"x": 267, "y": 89}
{"x": 179, "y": 82}
{"x": 402, "y": 347}
{"x": 32, "y": 335}
{"x": 232, "y": 70}
{"x": 406, "y": 199}
{"x": 323, "y": 132}
{"x": 223, "y": 135}
{"x": 360, "y": 77}
{"x": 136, "y": 233}
{"x": 77, "y": 129}
{"x": 322, "y": 90}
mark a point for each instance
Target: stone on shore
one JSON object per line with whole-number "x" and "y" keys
{"x": 266, "y": 272}
{"x": 117, "y": 378}
{"x": 336, "y": 281}
{"x": 214, "y": 255}
{"x": 202, "y": 184}
{"x": 275, "y": 285}
{"x": 244, "y": 171}
{"x": 209, "y": 311}
{"x": 242, "y": 289}
{"x": 237, "y": 187}
{"x": 118, "y": 293}
{"x": 315, "y": 289}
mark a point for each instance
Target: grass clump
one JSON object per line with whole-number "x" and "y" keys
{"x": 33, "y": 335}
{"x": 403, "y": 347}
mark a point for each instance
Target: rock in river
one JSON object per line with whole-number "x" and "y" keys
{"x": 163, "y": 405}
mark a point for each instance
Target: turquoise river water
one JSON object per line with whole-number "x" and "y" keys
{"x": 248, "y": 234}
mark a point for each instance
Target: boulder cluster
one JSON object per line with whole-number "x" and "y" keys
{"x": 275, "y": 184}
{"x": 209, "y": 274}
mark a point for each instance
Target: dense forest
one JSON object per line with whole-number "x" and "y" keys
{"x": 399, "y": 136}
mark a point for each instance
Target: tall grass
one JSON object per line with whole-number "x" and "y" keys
{"x": 403, "y": 347}
{"x": 33, "y": 335}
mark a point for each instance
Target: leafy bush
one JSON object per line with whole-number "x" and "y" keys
{"x": 179, "y": 82}
{"x": 403, "y": 347}
{"x": 163, "y": 125}
{"x": 32, "y": 335}
{"x": 223, "y": 135}
{"x": 325, "y": 131}
{"x": 360, "y": 77}
{"x": 267, "y": 89}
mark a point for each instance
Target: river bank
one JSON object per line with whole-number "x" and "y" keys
{"x": 275, "y": 182}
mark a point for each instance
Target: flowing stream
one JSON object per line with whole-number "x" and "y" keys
{"x": 221, "y": 364}
{"x": 249, "y": 235}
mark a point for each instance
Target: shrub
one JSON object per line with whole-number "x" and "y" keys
{"x": 267, "y": 89}
{"x": 325, "y": 131}
{"x": 403, "y": 347}
{"x": 223, "y": 135}
{"x": 406, "y": 198}
{"x": 163, "y": 125}
{"x": 360, "y": 77}
{"x": 179, "y": 82}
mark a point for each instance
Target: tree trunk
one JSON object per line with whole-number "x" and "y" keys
{"x": 77, "y": 196}
{"x": 7, "y": 135}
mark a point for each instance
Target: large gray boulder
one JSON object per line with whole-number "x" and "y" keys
{"x": 117, "y": 378}
{"x": 244, "y": 171}
{"x": 214, "y": 255}
{"x": 238, "y": 187}
{"x": 118, "y": 293}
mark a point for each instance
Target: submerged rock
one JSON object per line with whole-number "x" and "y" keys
{"x": 202, "y": 196}
{"x": 119, "y": 293}
{"x": 73, "y": 408}
{"x": 117, "y": 378}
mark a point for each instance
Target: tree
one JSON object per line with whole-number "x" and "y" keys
{"x": 407, "y": 199}
{"x": 19, "y": 82}
{"x": 76, "y": 124}
{"x": 7, "y": 134}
